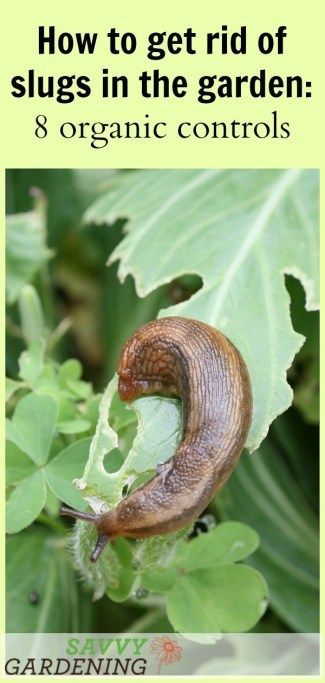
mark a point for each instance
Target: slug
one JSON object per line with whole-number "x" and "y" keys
{"x": 177, "y": 356}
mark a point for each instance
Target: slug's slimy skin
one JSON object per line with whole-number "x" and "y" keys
{"x": 181, "y": 357}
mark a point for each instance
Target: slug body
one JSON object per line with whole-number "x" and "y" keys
{"x": 181, "y": 357}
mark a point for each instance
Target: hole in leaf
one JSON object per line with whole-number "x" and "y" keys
{"x": 124, "y": 422}
{"x": 184, "y": 287}
{"x": 125, "y": 490}
{"x": 113, "y": 461}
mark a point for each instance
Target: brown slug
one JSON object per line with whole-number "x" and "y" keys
{"x": 181, "y": 357}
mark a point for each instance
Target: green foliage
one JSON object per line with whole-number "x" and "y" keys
{"x": 31, "y": 362}
{"x": 38, "y": 458}
{"x": 229, "y": 542}
{"x": 159, "y": 426}
{"x": 31, "y": 314}
{"x": 219, "y": 599}
{"x": 239, "y": 232}
{"x": 26, "y": 250}
{"x": 211, "y": 593}
{"x": 32, "y": 426}
{"x": 37, "y": 562}
{"x": 64, "y": 468}
{"x": 263, "y": 492}
{"x": 226, "y": 544}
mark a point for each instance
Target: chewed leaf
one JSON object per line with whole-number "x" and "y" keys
{"x": 159, "y": 428}
{"x": 241, "y": 231}
{"x": 96, "y": 485}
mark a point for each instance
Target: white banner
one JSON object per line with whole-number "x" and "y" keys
{"x": 101, "y": 654}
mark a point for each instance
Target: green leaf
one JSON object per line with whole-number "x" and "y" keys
{"x": 18, "y": 464}
{"x": 159, "y": 581}
{"x": 120, "y": 415}
{"x": 92, "y": 408}
{"x": 240, "y": 231}
{"x": 228, "y": 598}
{"x": 64, "y": 468}
{"x": 70, "y": 420}
{"x": 69, "y": 380}
{"x": 31, "y": 361}
{"x": 31, "y": 314}
{"x": 38, "y": 562}
{"x": 26, "y": 502}
{"x": 229, "y": 542}
{"x": 33, "y": 425}
{"x": 76, "y": 426}
{"x": 159, "y": 427}
{"x": 47, "y": 381}
{"x": 70, "y": 370}
{"x": 96, "y": 482}
{"x": 52, "y": 503}
{"x": 26, "y": 250}
{"x": 12, "y": 386}
{"x": 263, "y": 493}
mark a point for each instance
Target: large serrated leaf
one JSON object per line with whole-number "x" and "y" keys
{"x": 241, "y": 231}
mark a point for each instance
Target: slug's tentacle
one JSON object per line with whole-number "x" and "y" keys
{"x": 100, "y": 545}
{"x": 190, "y": 359}
{"x": 85, "y": 516}
{"x": 94, "y": 519}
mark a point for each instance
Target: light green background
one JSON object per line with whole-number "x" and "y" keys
{"x": 304, "y": 55}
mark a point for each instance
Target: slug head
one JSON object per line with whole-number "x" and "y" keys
{"x": 146, "y": 365}
{"x": 132, "y": 382}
